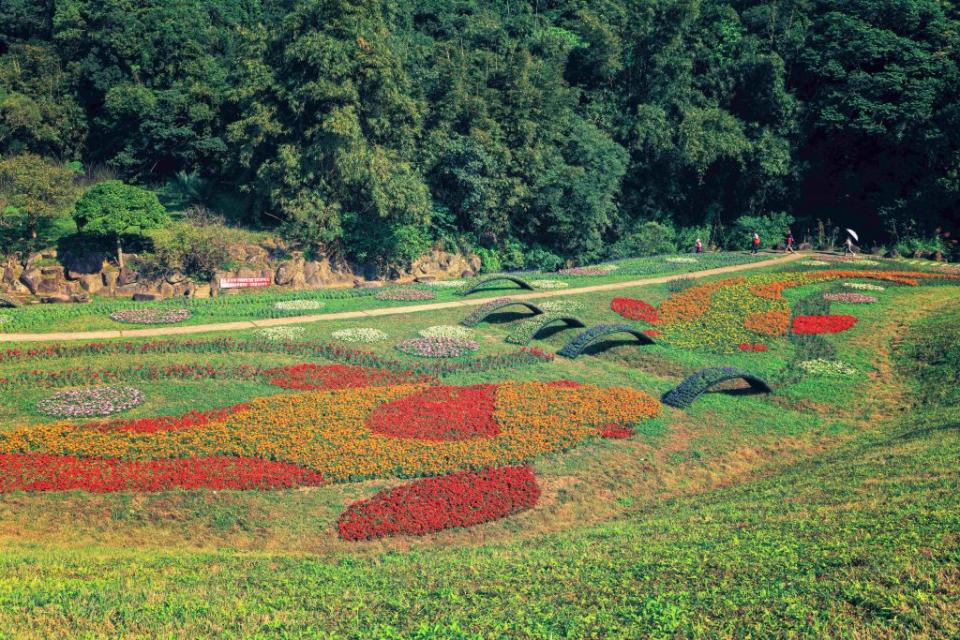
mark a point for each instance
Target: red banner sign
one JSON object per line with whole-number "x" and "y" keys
{"x": 244, "y": 283}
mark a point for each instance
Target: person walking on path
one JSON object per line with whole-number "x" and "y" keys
{"x": 848, "y": 247}
{"x": 789, "y": 241}
{"x": 756, "y": 244}
{"x": 698, "y": 247}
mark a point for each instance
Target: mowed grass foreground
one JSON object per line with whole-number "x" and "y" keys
{"x": 829, "y": 509}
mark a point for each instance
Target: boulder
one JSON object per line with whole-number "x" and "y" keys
{"x": 893, "y": 253}
{"x": 175, "y": 278}
{"x": 31, "y": 279}
{"x": 127, "y": 276}
{"x": 91, "y": 283}
{"x": 80, "y": 298}
{"x": 426, "y": 279}
{"x": 201, "y": 291}
{"x": 805, "y": 246}
{"x": 58, "y": 298}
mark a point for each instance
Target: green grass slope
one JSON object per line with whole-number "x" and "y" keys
{"x": 860, "y": 542}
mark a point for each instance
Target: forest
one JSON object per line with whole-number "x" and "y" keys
{"x": 536, "y": 132}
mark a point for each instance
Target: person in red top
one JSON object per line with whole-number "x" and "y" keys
{"x": 789, "y": 241}
{"x": 756, "y": 243}
{"x": 698, "y": 247}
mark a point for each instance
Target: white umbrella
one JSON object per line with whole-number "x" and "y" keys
{"x": 854, "y": 234}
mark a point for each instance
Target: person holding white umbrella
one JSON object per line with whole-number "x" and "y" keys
{"x": 848, "y": 245}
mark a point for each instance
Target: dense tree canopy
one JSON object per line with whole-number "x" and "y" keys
{"x": 373, "y": 127}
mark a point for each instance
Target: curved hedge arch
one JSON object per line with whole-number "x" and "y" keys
{"x": 523, "y": 284}
{"x": 600, "y": 332}
{"x": 528, "y": 330}
{"x": 686, "y": 393}
{"x": 480, "y": 314}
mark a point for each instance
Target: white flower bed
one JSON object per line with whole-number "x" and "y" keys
{"x": 447, "y": 331}
{"x": 298, "y": 305}
{"x": 281, "y": 334}
{"x": 446, "y": 284}
{"x": 549, "y": 284}
{"x": 359, "y": 334}
{"x": 863, "y": 286}
{"x": 823, "y": 367}
{"x": 560, "y": 306}
{"x": 681, "y": 260}
{"x": 815, "y": 263}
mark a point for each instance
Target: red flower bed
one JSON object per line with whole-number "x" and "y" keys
{"x": 653, "y": 333}
{"x": 45, "y": 472}
{"x": 822, "y": 324}
{"x": 753, "y": 347}
{"x": 439, "y": 413}
{"x": 170, "y": 423}
{"x": 632, "y": 309}
{"x": 616, "y": 431}
{"x": 307, "y": 377}
{"x": 434, "y": 504}
{"x": 565, "y": 384}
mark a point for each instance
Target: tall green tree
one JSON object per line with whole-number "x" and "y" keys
{"x": 114, "y": 209}
{"x": 36, "y": 193}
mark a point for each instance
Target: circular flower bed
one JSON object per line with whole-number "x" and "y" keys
{"x": 852, "y": 298}
{"x": 281, "y": 334}
{"x": 150, "y": 316}
{"x": 92, "y": 401}
{"x": 598, "y": 270}
{"x": 438, "y": 347}
{"x": 298, "y": 305}
{"x": 549, "y": 284}
{"x": 864, "y": 286}
{"x": 359, "y": 334}
{"x": 405, "y": 295}
{"x": 823, "y": 367}
{"x": 447, "y": 331}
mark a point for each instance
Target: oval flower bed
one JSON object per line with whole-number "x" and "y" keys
{"x": 807, "y": 325}
{"x": 598, "y": 270}
{"x": 446, "y": 331}
{"x": 447, "y": 284}
{"x": 359, "y": 334}
{"x": 438, "y": 347}
{"x": 298, "y": 305}
{"x": 549, "y": 284}
{"x": 281, "y": 334}
{"x": 92, "y": 401}
{"x": 404, "y": 295}
{"x": 851, "y": 298}
{"x": 434, "y": 504}
{"x": 863, "y": 286}
{"x": 150, "y": 316}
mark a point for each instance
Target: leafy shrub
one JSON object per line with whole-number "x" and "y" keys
{"x": 543, "y": 260}
{"x": 651, "y": 238}
{"x": 196, "y": 251}
{"x": 681, "y": 284}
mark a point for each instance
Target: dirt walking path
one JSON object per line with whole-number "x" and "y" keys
{"x": 373, "y": 313}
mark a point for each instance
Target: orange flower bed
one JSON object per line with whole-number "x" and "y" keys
{"x": 327, "y": 431}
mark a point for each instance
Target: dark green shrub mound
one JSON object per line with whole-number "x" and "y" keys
{"x": 480, "y": 314}
{"x": 684, "y": 394}
{"x": 598, "y": 333}
{"x": 520, "y": 282}
{"x": 528, "y": 330}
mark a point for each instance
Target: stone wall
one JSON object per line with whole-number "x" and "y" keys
{"x": 49, "y": 278}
